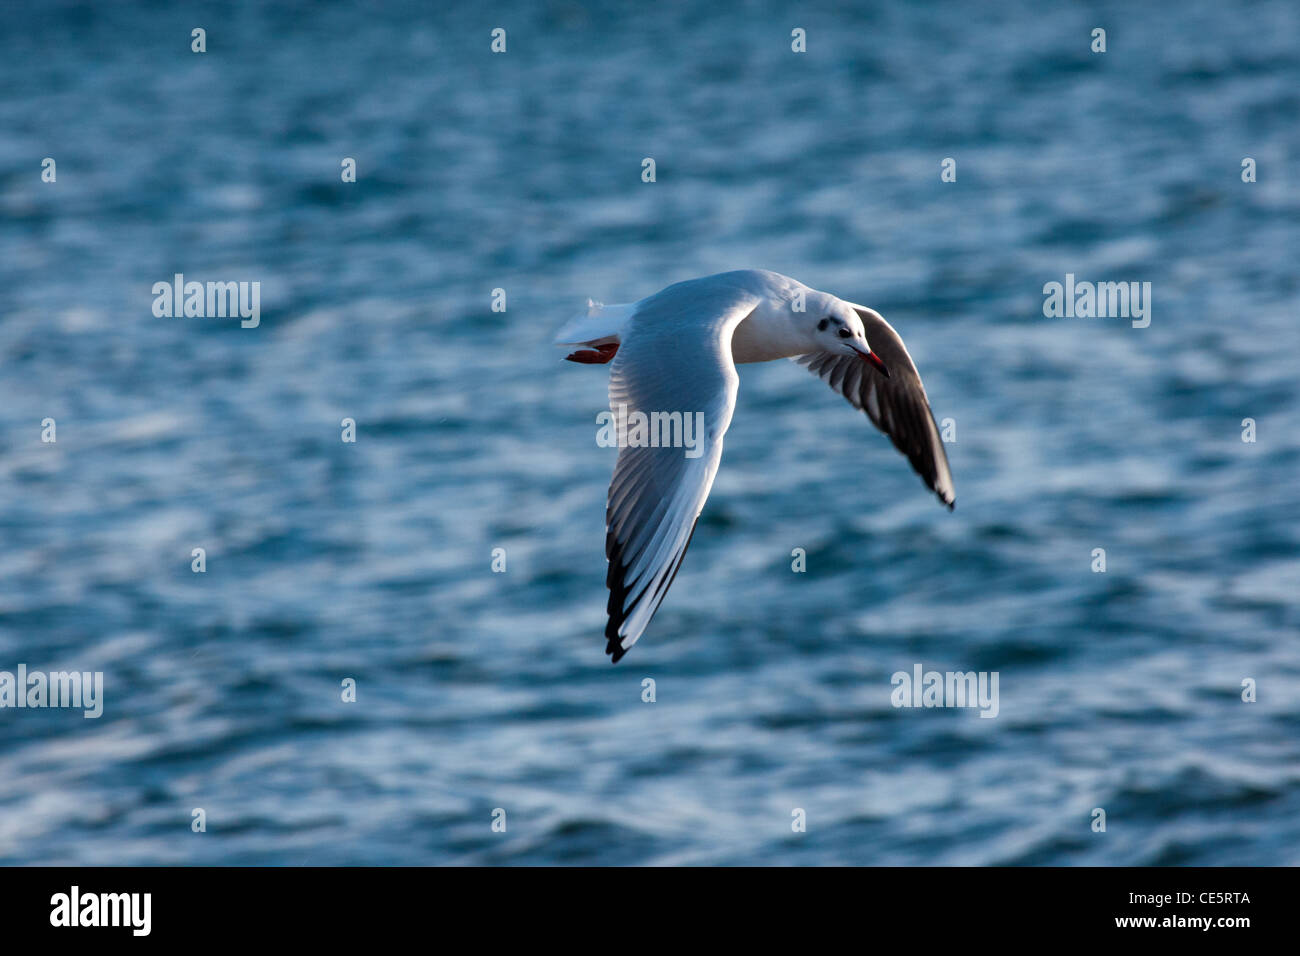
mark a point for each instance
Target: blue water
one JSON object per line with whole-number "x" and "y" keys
{"x": 479, "y": 690}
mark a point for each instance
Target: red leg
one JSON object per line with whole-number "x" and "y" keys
{"x": 598, "y": 355}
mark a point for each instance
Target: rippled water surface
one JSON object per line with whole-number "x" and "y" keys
{"x": 522, "y": 171}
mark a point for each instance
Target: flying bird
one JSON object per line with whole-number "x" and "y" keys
{"x": 676, "y": 352}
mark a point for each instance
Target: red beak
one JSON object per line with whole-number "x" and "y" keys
{"x": 871, "y": 358}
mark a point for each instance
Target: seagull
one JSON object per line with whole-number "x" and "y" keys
{"x": 676, "y": 352}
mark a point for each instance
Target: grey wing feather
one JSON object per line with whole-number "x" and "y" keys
{"x": 897, "y": 405}
{"x": 675, "y": 357}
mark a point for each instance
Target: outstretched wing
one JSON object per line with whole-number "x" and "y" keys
{"x": 897, "y": 405}
{"x": 674, "y": 363}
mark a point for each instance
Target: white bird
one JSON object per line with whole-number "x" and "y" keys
{"x": 677, "y": 351}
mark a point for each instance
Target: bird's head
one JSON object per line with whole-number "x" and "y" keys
{"x": 838, "y": 329}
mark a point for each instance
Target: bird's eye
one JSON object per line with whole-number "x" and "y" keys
{"x": 821, "y": 326}
{"x": 845, "y": 334}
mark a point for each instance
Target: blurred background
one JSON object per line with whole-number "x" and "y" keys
{"x": 478, "y": 690}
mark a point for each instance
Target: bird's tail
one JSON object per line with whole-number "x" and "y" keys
{"x": 599, "y": 325}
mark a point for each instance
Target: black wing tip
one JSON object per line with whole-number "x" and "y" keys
{"x": 947, "y": 496}
{"x": 613, "y": 642}
{"x": 614, "y": 580}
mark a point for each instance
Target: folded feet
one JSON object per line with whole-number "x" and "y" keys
{"x": 597, "y": 355}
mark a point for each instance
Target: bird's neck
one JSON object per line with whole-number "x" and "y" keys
{"x": 767, "y": 335}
